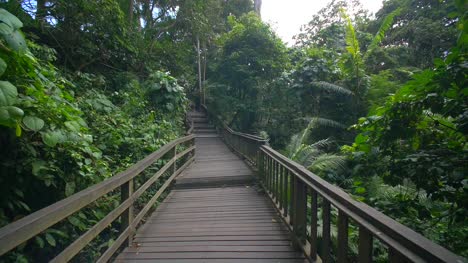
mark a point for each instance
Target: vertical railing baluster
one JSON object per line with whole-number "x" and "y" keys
{"x": 267, "y": 172}
{"x": 300, "y": 211}
{"x": 285, "y": 192}
{"x": 313, "y": 224}
{"x": 292, "y": 201}
{"x": 260, "y": 164}
{"x": 280, "y": 187}
{"x": 277, "y": 167}
{"x": 273, "y": 186}
{"x": 326, "y": 231}
{"x": 365, "y": 245}
{"x": 342, "y": 237}
{"x": 270, "y": 174}
{"x": 174, "y": 168}
{"x": 126, "y": 219}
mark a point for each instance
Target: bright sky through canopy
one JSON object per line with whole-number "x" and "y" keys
{"x": 286, "y": 17}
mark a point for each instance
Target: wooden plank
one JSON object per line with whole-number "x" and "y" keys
{"x": 233, "y": 224}
{"x": 270, "y": 243}
{"x": 226, "y": 216}
{"x": 151, "y": 249}
{"x": 151, "y": 202}
{"x": 211, "y": 238}
{"x": 216, "y": 224}
{"x": 213, "y": 211}
{"x": 217, "y": 260}
{"x": 224, "y": 233}
{"x": 213, "y": 255}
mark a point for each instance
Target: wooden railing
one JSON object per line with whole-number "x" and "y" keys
{"x": 30, "y": 226}
{"x": 244, "y": 144}
{"x": 301, "y": 197}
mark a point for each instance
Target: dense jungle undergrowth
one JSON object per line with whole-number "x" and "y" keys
{"x": 376, "y": 104}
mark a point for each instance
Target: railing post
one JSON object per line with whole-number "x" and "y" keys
{"x": 260, "y": 164}
{"x": 300, "y": 210}
{"x": 313, "y": 224}
{"x": 365, "y": 245}
{"x": 326, "y": 235}
{"x": 127, "y": 216}
{"x": 342, "y": 237}
{"x": 175, "y": 160}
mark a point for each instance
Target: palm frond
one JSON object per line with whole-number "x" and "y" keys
{"x": 293, "y": 145}
{"x": 316, "y": 122}
{"x": 327, "y": 161}
{"x": 352, "y": 44}
{"x": 326, "y": 86}
{"x": 386, "y": 24}
{"x": 322, "y": 143}
{"x": 306, "y": 155}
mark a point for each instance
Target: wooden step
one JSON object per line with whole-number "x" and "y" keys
{"x": 203, "y": 130}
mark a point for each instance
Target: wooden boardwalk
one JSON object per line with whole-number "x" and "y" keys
{"x": 214, "y": 214}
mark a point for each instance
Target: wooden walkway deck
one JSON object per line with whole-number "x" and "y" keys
{"x": 214, "y": 214}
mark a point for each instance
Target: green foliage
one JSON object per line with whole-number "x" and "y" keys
{"x": 251, "y": 55}
{"x": 419, "y": 138}
{"x": 10, "y": 31}
{"x": 162, "y": 89}
{"x": 314, "y": 156}
{"x": 384, "y": 27}
{"x": 63, "y": 132}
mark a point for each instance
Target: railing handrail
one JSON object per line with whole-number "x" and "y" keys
{"x": 230, "y": 130}
{"x": 399, "y": 238}
{"x": 406, "y": 241}
{"x": 14, "y": 234}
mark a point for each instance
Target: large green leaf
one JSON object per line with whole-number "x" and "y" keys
{"x": 5, "y": 28}
{"x": 9, "y": 19}
{"x": 73, "y": 126}
{"x": 33, "y": 123}
{"x": 37, "y": 166}
{"x": 51, "y": 138}
{"x": 8, "y": 93}
{"x": 10, "y": 113}
{"x": 16, "y": 41}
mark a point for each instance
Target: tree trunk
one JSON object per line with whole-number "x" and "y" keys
{"x": 41, "y": 11}
{"x": 130, "y": 12}
{"x": 258, "y": 7}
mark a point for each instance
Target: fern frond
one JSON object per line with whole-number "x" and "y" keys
{"x": 293, "y": 145}
{"x": 307, "y": 155}
{"x": 328, "y": 162}
{"x": 326, "y": 86}
{"x": 322, "y": 143}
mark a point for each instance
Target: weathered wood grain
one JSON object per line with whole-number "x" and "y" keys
{"x": 203, "y": 222}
